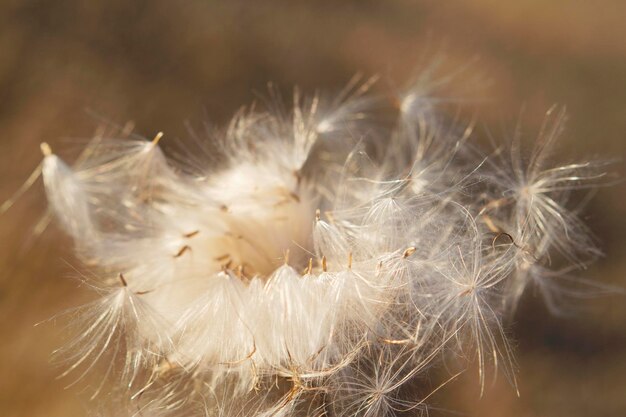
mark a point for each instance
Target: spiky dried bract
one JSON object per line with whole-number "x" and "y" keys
{"x": 315, "y": 262}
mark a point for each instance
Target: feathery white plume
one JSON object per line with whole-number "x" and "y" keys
{"x": 318, "y": 263}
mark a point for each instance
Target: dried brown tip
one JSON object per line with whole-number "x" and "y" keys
{"x": 324, "y": 265}
{"x": 225, "y": 267}
{"x": 222, "y": 258}
{"x": 318, "y": 215}
{"x": 182, "y": 251}
{"x": 309, "y": 268}
{"x": 123, "y": 280}
{"x": 191, "y": 234}
{"x": 350, "y": 260}
{"x": 45, "y": 149}
{"x": 287, "y": 257}
{"x": 294, "y": 196}
{"x": 409, "y": 251}
{"x": 157, "y": 138}
{"x": 497, "y": 236}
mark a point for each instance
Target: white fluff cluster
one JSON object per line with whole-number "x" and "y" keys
{"x": 312, "y": 262}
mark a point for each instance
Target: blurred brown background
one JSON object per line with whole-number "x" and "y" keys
{"x": 162, "y": 63}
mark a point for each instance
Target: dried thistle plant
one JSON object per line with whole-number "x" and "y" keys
{"x": 312, "y": 262}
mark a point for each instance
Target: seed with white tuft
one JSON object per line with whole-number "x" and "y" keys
{"x": 225, "y": 289}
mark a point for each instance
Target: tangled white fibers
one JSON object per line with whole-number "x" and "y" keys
{"x": 318, "y": 261}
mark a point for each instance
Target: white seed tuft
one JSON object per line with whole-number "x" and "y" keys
{"x": 318, "y": 264}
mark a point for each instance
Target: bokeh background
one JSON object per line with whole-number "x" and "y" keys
{"x": 161, "y": 64}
